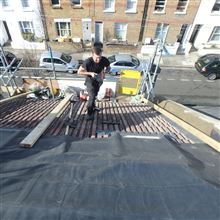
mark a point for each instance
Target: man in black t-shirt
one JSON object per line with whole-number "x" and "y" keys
{"x": 94, "y": 68}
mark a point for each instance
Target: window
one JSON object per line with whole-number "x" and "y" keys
{"x": 131, "y": 5}
{"x": 160, "y": 6}
{"x": 55, "y": 2}
{"x": 215, "y": 65}
{"x": 111, "y": 59}
{"x": 120, "y": 31}
{"x": 57, "y": 61}
{"x": 66, "y": 57}
{"x": 161, "y": 31}
{"x": 215, "y": 36}
{"x": 5, "y": 3}
{"x": 63, "y": 29}
{"x": 76, "y": 2}
{"x": 26, "y": 27}
{"x": 183, "y": 30}
{"x": 129, "y": 64}
{"x": 216, "y": 7}
{"x": 109, "y": 6}
{"x": 182, "y": 5}
{"x": 47, "y": 60}
{"x": 120, "y": 63}
{"x": 135, "y": 61}
{"x": 25, "y": 3}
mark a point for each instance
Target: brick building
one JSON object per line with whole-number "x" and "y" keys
{"x": 127, "y": 20}
{"x": 176, "y": 15}
{"x": 94, "y": 19}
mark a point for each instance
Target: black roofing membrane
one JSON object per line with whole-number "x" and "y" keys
{"x": 113, "y": 178}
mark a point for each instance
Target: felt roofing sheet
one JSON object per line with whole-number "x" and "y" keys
{"x": 64, "y": 178}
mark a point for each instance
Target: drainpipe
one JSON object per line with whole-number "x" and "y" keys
{"x": 43, "y": 19}
{"x": 143, "y": 22}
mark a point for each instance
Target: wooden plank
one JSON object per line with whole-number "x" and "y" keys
{"x": 202, "y": 136}
{"x": 31, "y": 139}
{"x": 14, "y": 97}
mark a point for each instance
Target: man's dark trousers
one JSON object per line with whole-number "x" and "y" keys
{"x": 92, "y": 89}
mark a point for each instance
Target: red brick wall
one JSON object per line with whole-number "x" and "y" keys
{"x": 94, "y": 9}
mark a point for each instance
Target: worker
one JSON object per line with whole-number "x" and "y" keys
{"x": 94, "y": 68}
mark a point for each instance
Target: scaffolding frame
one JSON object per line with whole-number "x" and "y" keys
{"x": 8, "y": 73}
{"x": 149, "y": 73}
{"x": 8, "y": 76}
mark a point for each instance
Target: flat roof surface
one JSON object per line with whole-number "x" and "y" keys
{"x": 128, "y": 163}
{"x": 107, "y": 178}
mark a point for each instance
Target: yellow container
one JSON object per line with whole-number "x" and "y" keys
{"x": 60, "y": 39}
{"x": 129, "y": 82}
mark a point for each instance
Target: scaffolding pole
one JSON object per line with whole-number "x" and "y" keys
{"x": 149, "y": 72}
{"x": 8, "y": 72}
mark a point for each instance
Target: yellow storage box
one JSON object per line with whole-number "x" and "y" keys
{"x": 129, "y": 82}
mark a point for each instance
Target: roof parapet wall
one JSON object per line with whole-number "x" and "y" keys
{"x": 200, "y": 125}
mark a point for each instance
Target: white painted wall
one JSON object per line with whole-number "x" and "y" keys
{"x": 78, "y": 84}
{"x": 3, "y": 35}
{"x": 208, "y": 19}
{"x": 15, "y": 13}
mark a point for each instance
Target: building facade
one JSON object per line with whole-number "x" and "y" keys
{"x": 99, "y": 20}
{"x": 21, "y": 25}
{"x": 206, "y": 26}
{"x": 26, "y": 22}
{"x": 172, "y": 16}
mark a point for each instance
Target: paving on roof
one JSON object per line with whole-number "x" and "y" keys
{"x": 25, "y": 113}
{"x": 114, "y": 116}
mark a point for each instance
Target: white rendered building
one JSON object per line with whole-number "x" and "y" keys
{"x": 21, "y": 24}
{"x": 205, "y": 30}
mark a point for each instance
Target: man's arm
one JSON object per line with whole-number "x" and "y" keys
{"x": 106, "y": 70}
{"x": 83, "y": 71}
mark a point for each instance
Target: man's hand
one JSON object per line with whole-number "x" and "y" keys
{"x": 92, "y": 74}
{"x": 82, "y": 71}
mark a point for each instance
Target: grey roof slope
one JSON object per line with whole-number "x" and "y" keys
{"x": 113, "y": 178}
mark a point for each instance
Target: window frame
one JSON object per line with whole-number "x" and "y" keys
{"x": 159, "y": 25}
{"x": 76, "y": 4}
{"x": 22, "y": 28}
{"x": 55, "y": 5}
{"x": 132, "y": 10}
{"x": 7, "y": 7}
{"x": 123, "y": 29}
{"x": 160, "y": 11}
{"x": 23, "y": 5}
{"x": 216, "y": 4}
{"x": 109, "y": 9}
{"x": 58, "y": 23}
{"x": 178, "y": 11}
{"x": 213, "y": 33}
{"x": 3, "y": 4}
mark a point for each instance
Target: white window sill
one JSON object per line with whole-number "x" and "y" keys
{"x": 27, "y": 9}
{"x": 7, "y": 9}
{"x": 109, "y": 11}
{"x": 180, "y": 12}
{"x": 214, "y": 13}
{"x": 131, "y": 11}
{"x": 77, "y": 6}
{"x": 159, "y": 12}
{"x": 56, "y": 6}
